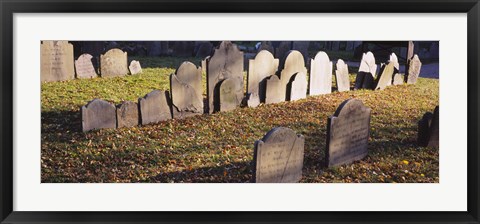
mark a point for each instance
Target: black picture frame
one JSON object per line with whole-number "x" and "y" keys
{"x": 9, "y": 7}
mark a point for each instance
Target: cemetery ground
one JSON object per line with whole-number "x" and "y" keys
{"x": 219, "y": 147}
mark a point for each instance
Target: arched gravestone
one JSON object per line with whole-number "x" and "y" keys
{"x": 347, "y": 133}
{"x": 366, "y": 72}
{"x": 154, "y": 107}
{"x": 127, "y": 114}
{"x": 186, "y": 88}
{"x": 297, "y": 88}
{"x": 84, "y": 67}
{"x": 413, "y": 70}
{"x": 320, "y": 74}
{"x": 56, "y": 61}
{"x": 279, "y": 157}
{"x": 385, "y": 77}
{"x": 291, "y": 65}
{"x": 273, "y": 90}
{"x": 113, "y": 63}
{"x": 135, "y": 67}
{"x": 263, "y": 66}
{"x": 428, "y": 129}
{"x": 342, "y": 76}
{"x": 226, "y": 63}
{"x": 98, "y": 114}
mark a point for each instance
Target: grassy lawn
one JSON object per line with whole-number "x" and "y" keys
{"x": 219, "y": 147}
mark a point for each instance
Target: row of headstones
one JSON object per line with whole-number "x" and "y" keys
{"x": 278, "y": 156}
{"x": 58, "y": 64}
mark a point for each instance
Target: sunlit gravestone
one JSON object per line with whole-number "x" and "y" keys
{"x": 366, "y": 72}
{"x": 113, "y": 63}
{"x": 273, "y": 90}
{"x": 84, "y": 67}
{"x": 127, "y": 114}
{"x": 135, "y": 67}
{"x": 385, "y": 77}
{"x": 320, "y": 74}
{"x": 263, "y": 66}
{"x": 98, "y": 114}
{"x": 291, "y": 65}
{"x": 154, "y": 107}
{"x": 413, "y": 70}
{"x": 342, "y": 77}
{"x": 186, "y": 89}
{"x": 297, "y": 88}
{"x": 56, "y": 61}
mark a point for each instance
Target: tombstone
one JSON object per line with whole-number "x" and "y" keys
{"x": 385, "y": 78}
{"x": 186, "y": 88}
{"x": 366, "y": 72}
{"x": 113, "y": 63}
{"x": 263, "y": 66}
{"x": 291, "y": 65}
{"x": 229, "y": 99}
{"x": 183, "y": 48}
{"x": 283, "y": 48}
{"x": 98, "y": 114}
{"x": 297, "y": 87}
{"x": 320, "y": 74}
{"x": 267, "y": 46}
{"x": 226, "y": 62}
{"x": 127, "y": 114}
{"x": 273, "y": 90}
{"x": 428, "y": 129}
{"x": 154, "y": 107}
{"x": 302, "y": 47}
{"x": 56, "y": 61}
{"x": 398, "y": 79}
{"x": 135, "y": 67}
{"x": 204, "y": 49}
{"x": 347, "y": 133}
{"x": 84, "y": 67}
{"x": 342, "y": 76}
{"x": 279, "y": 157}
{"x": 413, "y": 70}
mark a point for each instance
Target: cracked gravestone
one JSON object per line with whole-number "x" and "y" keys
{"x": 186, "y": 88}
{"x": 263, "y": 66}
{"x": 366, "y": 72}
{"x": 127, "y": 114}
{"x": 98, "y": 114}
{"x": 342, "y": 77}
{"x": 56, "y": 61}
{"x": 113, "y": 63}
{"x": 320, "y": 74}
{"x": 84, "y": 67}
{"x": 154, "y": 107}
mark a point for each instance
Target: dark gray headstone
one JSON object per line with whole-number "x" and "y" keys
{"x": 428, "y": 129}
{"x": 127, "y": 114}
{"x": 413, "y": 70}
{"x": 342, "y": 77}
{"x": 84, "y": 67}
{"x": 56, "y": 61}
{"x": 273, "y": 90}
{"x": 366, "y": 72}
{"x": 291, "y": 65}
{"x": 320, "y": 74}
{"x": 263, "y": 66}
{"x": 135, "y": 67}
{"x": 385, "y": 78}
{"x": 154, "y": 107}
{"x": 297, "y": 88}
{"x": 302, "y": 47}
{"x": 186, "y": 88}
{"x": 347, "y": 133}
{"x": 279, "y": 157}
{"x": 113, "y": 63}
{"x": 283, "y": 48}
{"x": 98, "y": 114}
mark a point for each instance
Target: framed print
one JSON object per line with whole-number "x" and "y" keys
{"x": 246, "y": 112}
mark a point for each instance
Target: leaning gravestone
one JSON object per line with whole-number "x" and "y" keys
{"x": 297, "y": 88}
{"x": 279, "y": 157}
{"x": 291, "y": 65}
{"x": 413, "y": 70}
{"x": 226, "y": 63}
{"x": 347, "y": 133}
{"x": 229, "y": 99}
{"x": 273, "y": 90}
{"x": 428, "y": 129}
{"x": 366, "y": 72}
{"x": 320, "y": 74}
{"x": 84, "y": 67}
{"x": 342, "y": 77}
{"x": 263, "y": 66}
{"x": 186, "y": 88}
{"x": 98, "y": 114}
{"x": 113, "y": 63}
{"x": 127, "y": 114}
{"x": 154, "y": 107}
{"x": 135, "y": 67}
{"x": 385, "y": 78}
{"x": 56, "y": 61}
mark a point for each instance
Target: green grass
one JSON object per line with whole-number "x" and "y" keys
{"x": 219, "y": 147}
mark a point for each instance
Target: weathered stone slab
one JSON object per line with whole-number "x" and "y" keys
{"x": 342, "y": 76}
{"x": 413, "y": 70}
{"x": 297, "y": 88}
{"x": 279, "y": 157}
{"x": 366, "y": 72}
{"x": 263, "y": 66}
{"x": 385, "y": 78}
{"x": 398, "y": 79}
{"x": 113, "y": 63}
{"x": 186, "y": 88}
{"x": 229, "y": 100}
{"x": 84, "y": 67}
{"x": 273, "y": 90}
{"x": 226, "y": 63}
{"x": 127, "y": 114}
{"x": 135, "y": 67}
{"x": 428, "y": 129}
{"x": 347, "y": 133}
{"x": 56, "y": 61}
{"x": 320, "y": 74}
{"x": 291, "y": 65}
{"x": 154, "y": 107}
{"x": 98, "y": 114}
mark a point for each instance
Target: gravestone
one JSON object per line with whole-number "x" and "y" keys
{"x": 342, "y": 76}
{"x": 84, "y": 67}
{"x": 98, "y": 114}
{"x": 154, "y": 107}
{"x": 229, "y": 99}
{"x": 413, "y": 70}
{"x": 113, "y": 63}
{"x": 366, "y": 72}
{"x": 205, "y": 49}
{"x": 283, "y": 48}
{"x": 302, "y": 47}
{"x": 186, "y": 88}
{"x": 320, "y": 74}
{"x": 385, "y": 78}
{"x": 291, "y": 65}
{"x": 204, "y": 64}
{"x": 398, "y": 79}
{"x": 297, "y": 88}
{"x": 127, "y": 114}
{"x": 154, "y": 48}
{"x": 347, "y": 133}
{"x": 56, "y": 61}
{"x": 183, "y": 48}
{"x": 225, "y": 63}
{"x": 428, "y": 129}
{"x": 263, "y": 66}
{"x": 273, "y": 90}
{"x": 279, "y": 157}
{"x": 135, "y": 67}
{"x": 267, "y": 46}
